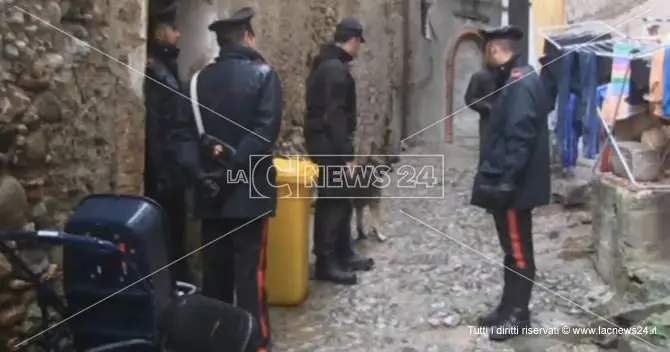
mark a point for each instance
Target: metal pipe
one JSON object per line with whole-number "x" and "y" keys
{"x": 471, "y": 34}
{"x": 406, "y": 70}
{"x": 504, "y": 15}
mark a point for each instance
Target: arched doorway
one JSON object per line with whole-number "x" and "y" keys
{"x": 464, "y": 57}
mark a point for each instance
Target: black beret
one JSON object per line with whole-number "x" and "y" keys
{"x": 241, "y": 18}
{"x": 505, "y": 32}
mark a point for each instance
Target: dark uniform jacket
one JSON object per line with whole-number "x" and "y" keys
{"x": 243, "y": 96}
{"x": 163, "y": 106}
{"x": 479, "y": 96}
{"x": 330, "y": 121}
{"x": 516, "y": 151}
{"x": 482, "y": 83}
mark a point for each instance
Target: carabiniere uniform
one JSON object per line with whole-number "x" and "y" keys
{"x": 513, "y": 178}
{"x": 243, "y": 95}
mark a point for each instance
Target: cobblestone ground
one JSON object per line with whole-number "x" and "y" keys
{"x": 438, "y": 270}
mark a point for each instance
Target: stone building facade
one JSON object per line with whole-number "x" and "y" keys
{"x": 71, "y": 105}
{"x": 625, "y": 15}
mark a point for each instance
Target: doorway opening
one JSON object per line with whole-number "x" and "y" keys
{"x": 473, "y": 42}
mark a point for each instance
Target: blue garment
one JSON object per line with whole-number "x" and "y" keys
{"x": 570, "y": 126}
{"x": 666, "y": 83}
{"x": 568, "y": 129}
{"x": 588, "y": 105}
{"x": 602, "y": 93}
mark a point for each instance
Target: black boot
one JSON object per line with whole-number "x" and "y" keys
{"x": 491, "y": 318}
{"x": 356, "y": 262}
{"x": 329, "y": 270}
{"x": 497, "y": 315}
{"x": 516, "y": 323}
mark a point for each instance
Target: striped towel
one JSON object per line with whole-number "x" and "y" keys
{"x": 619, "y": 87}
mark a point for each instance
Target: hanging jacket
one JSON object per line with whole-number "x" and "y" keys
{"x": 588, "y": 104}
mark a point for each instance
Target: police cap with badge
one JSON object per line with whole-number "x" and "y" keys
{"x": 240, "y": 19}
{"x": 505, "y": 32}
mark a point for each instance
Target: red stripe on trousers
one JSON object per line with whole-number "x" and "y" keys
{"x": 260, "y": 275}
{"x": 515, "y": 236}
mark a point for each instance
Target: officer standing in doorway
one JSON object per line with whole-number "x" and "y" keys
{"x": 513, "y": 176}
{"x": 164, "y": 181}
{"x": 242, "y": 99}
{"x": 330, "y": 126}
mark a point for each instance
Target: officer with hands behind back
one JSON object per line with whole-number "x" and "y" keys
{"x": 239, "y": 99}
{"x": 513, "y": 176}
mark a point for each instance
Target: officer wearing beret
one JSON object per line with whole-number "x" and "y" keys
{"x": 330, "y": 126}
{"x": 243, "y": 96}
{"x": 513, "y": 176}
{"x": 163, "y": 180}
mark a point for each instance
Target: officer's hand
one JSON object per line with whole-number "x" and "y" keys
{"x": 208, "y": 187}
{"x": 501, "y": 195}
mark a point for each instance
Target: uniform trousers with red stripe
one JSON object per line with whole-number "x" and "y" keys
{"x": 515, "y": 231}
{"x": 234, "y": 266}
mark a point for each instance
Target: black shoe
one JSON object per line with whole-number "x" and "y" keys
{"x": 493, "y": 318}
{"x": 328, "y": 270}
{"x": 357, "y": 262}
{"x": 514, "y": 325}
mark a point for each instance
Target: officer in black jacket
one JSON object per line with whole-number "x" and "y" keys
{"x": 163, "y": 180}
{"x": 513, "y": 176}
{"x": 240, "y": 98}
{"x": 330, "y": 125}
{"x": 479, "y": 96}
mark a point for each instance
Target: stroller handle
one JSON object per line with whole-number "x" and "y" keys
{"x": 58, "y": 238}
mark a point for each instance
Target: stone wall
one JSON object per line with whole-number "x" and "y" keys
{"x": 71, "y": 121}
{"x": 289, "y": 35}
{"x": 428, "y": 74}
{"x": 632, "y": 249}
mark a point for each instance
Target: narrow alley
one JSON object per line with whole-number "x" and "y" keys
{"x": 438, "y": 270}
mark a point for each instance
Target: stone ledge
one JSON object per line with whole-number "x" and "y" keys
{"x": 630, "y": 235}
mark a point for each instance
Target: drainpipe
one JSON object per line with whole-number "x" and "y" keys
{"x": 517, "y": 13}
{"x": 504, "y": 15}
{"x": 406, "y": 70}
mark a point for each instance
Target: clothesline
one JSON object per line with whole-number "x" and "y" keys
{"x": 596, "y": 29}
{"x": 597, "y": 58}
{"x": 645, "y": 47}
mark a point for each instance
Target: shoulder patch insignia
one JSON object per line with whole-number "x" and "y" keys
{"x": 516, "y": 73}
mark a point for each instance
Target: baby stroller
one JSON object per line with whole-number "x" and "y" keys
{"x": 112, "y": 279}
{"x": 119, "y": 294}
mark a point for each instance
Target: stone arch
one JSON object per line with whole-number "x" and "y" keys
{"x": 467, "y": 35}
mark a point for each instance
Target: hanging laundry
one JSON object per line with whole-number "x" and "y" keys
{"x": 657, "y": 83}
{"x": 588, "y": 104}
{"x": 640, "y": 71}
{"x": 666, "y": 83}
{"x": 602, "y": 94}
{"x": 616, "y": 106}
{"x": 568, "y": 132}
{"x": 552, "y": 71}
